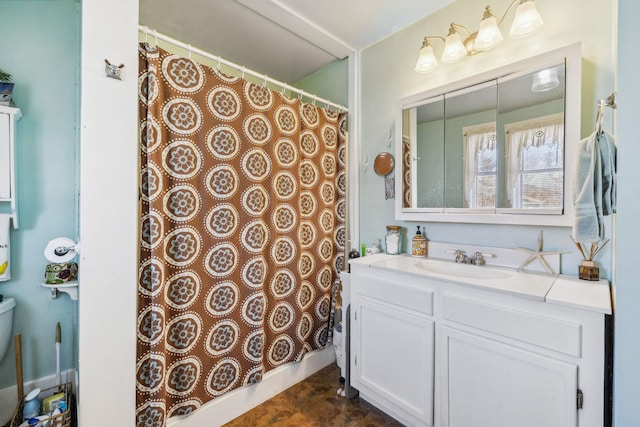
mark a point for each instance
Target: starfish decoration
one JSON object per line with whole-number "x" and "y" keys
{"x": 539, "y": 255}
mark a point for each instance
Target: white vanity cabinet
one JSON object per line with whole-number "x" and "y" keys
{"x": 436, "y": 352}
{"x": 393, "y": 345}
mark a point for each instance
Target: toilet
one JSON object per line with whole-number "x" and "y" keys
{"x": 6, "y": 322}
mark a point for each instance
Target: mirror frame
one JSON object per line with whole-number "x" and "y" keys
{"x": 571, "y": 56}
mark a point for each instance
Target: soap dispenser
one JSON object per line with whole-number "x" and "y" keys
{"x": 419, "y": 244}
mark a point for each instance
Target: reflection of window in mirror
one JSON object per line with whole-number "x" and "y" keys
{"x": 535, "y": 159}
{"x": 480, "y": 165}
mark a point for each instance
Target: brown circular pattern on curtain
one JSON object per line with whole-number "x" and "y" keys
{"x": 256, "y": 165}
{"x": 224, "y": 103}
{"x": 149, "y": 135}
{"x": 222, "y": 221}
{"x": 182, "y": 116}
{"x": 309, "y": 114}
{"x": 223, "y": 142}
{"x": 308, "y": 204}
{"x": 223, "y": 376}
{"x": 222, "y": 299}
{"x": 183, "y": 332}
{"x": 255, "y": 200}
{"x": 254, "y": 272}
{"x": 304, "y": 327}
{"x": 282, "y": 317}
{"x": 282, "y": 283}
{"x": 150, "y": 277}
{"x": 305, "y": 296}
{"x": 182, "y": 289}
{"x": 150, "y": 372}
{"x": 151, "y": 325}
{"x": 285, "y": 152}
{"x": 309, "y": 144}
{"x": 223, "y": 337}
{"x": 286, "y": 120}
{"x": 259, "y": 97}
{"x": 284, "y": 218}
{"x": 182, "y": 74}
{"x": 182, "y": 377}
{"x": 281, "y": 350}
{"x": 151, "y": 182}
{"x": 284, "y": 183}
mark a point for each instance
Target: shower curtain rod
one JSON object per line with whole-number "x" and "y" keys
{"x": 264, "y": 77}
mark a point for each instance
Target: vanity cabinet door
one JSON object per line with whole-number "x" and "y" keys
{"x": 486, "y": 383}
{"x": 392, "y": 359}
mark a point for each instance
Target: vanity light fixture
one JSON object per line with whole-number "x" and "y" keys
{"x": 526, "y": 21}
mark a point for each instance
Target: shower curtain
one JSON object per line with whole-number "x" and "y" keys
{"x": 242, "y": 232}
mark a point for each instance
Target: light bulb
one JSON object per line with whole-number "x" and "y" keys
{"x": 426, "y": 60}
{"x": 489, "y": 35}
{"x": 527, "y": 19}
{"x": 453, "y": 48}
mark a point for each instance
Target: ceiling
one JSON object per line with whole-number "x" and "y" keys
{"x": 284, "y": 39}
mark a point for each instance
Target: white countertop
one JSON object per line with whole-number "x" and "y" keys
{"x": 554, "y": 289}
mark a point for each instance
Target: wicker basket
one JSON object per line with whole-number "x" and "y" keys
{"x": 63, "y": 419}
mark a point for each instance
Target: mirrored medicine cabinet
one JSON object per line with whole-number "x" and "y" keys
{"x": 495, "y": 148}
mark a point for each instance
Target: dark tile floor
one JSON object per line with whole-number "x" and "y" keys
{"x": 315, "y": 403}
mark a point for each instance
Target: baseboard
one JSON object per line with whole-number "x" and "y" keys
{"x": 9, "y": 395}
{"x": 233, "y": 404}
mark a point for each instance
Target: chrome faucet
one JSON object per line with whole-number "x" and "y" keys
{"x": 478, "y": 258}
{"x": 462, "y": 258}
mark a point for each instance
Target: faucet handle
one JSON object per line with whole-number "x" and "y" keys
{"x": 479, "y": 258}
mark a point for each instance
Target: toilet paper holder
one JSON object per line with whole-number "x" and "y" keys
{"x": 61, "y": 249}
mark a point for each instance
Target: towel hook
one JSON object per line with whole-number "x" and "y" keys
{"x": 113, "y": 71}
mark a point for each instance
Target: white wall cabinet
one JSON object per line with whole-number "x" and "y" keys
{"x": 433, "y": 352}
{"x": 8, "y": 118}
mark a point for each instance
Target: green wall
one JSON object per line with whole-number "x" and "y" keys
{"x": 330, "y": 82}
{"x": 40, "y": 47}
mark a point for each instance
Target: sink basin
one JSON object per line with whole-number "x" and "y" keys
{"x": 467, "y": 271}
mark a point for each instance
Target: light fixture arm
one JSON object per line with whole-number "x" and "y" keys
{"x": 425, "y": 41}
{"x": 453, "y": 26}
{"x": 513, "y": 3}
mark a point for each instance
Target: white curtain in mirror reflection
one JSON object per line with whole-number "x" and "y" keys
{"x": 535, "y": 159}
{"x": 480, "y": 166}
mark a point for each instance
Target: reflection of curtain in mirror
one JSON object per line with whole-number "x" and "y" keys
{"x": 479, "y": 165}
{"x": 242, "y": 232}
{"x": 534, "y": 166}
{"x": 406, "y": 172}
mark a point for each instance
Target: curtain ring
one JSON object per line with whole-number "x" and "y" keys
{"x": 219, "y": 61}
{"x": 146, "y": 35}
{"x": 189, "y": 51}
{"x": 264, "y": 83}
{"x": 284, "y": 88}
{"x": 315, "y": 98}
{"x": 243, "y": 68}
{"x": 300, "y": 96}
{"x": 155, "y": 33}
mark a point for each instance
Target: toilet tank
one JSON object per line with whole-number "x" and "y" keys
{"x": 6, "y": 322}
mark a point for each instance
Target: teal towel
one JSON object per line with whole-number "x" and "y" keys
{"x": 587, "y": 190}
{"x": 594, "y": 186}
